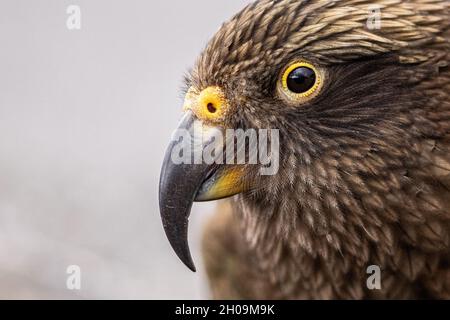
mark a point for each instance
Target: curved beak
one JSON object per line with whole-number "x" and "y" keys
{"x": 186, "y": 177}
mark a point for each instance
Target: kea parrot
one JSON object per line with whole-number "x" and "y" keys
{"x": 359, "y": 93}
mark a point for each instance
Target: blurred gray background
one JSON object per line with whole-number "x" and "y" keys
{"x": 85, "y": 117}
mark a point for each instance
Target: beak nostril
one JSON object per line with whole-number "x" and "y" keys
{"x": 211, "y": 108}
{"x": 210, "y": 104}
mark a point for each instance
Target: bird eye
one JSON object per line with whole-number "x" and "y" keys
{"x": 301, "y": 80}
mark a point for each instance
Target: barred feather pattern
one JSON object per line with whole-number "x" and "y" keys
{"x": 363, "y": 182}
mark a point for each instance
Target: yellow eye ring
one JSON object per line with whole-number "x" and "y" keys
{"x": 301, "y": 81}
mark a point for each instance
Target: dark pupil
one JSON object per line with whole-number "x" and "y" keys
{"x": 301, "y": 80}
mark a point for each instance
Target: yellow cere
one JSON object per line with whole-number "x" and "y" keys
{"x": 210, "y": 104}
{"x": 308, "y": 93}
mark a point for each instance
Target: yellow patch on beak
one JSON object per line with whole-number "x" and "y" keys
{"x": 227, "y": 183}
{"x": 209, "y": 105}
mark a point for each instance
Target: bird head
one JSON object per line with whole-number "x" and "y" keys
{"x": 334, "y": 83}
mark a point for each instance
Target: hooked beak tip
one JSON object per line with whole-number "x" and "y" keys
{"x": 178, "y": 239}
